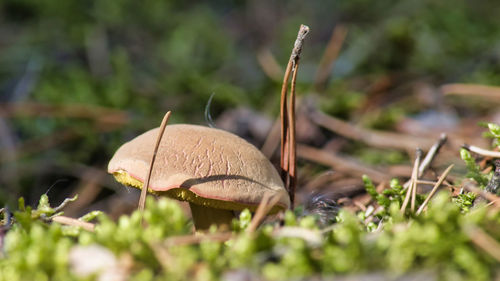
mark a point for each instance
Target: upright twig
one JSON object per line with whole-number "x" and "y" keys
{"x": 414, "y": 178}
{"x": 292, "y": 145}
{"x": 287, "y": 115}
{"x": 411, "y": 193}
{"x": 429, "y": 157}
{"x": 142, "y": 199}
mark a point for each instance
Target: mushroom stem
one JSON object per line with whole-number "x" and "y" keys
{"x": 204, "y": 217}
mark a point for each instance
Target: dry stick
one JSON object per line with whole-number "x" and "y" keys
{"x": 312, "y": 237}
{"x": 39, "y": 144}
{"x": 490, "y": 92}
{"x": 259, "y": 214}
{"x": 272, "y": 140}
{"x": 284, "y": 125}
{"x": 489, "y": 204}
{"x": 414, "y": 178}
{"x": 432, "y": 183}
{"x": 142, "y": 199}
{"x": 485, "y": 194}
{"x": 435, "y": 188}
{"x": 429, "y": 182}
{"x": 64, "y": 203}
{"x": 269, "y": 64}
{"x": 265, "y": 58}
{"x": 482, "y": 152}
{"x": 74, "y": 222}
{"x": 429, "y": 157}
{"x": 195, "y": 238}
{"x": 287, "y": 116}
{"x": 88, "y": 189}
{"x": 33, "y": 109}
{"x": 414, "y": 174}
{"x": 264, "y": 207}
{"x": 341, "y": 164}
{"x": 431, "y": 154}
{"x": 161, "y": 253}
{"x": 321, "y": 180}
{"x": 330, "y": 56}
{"x": 373, "y": 138}
{"x": 484, "y": 241}
{"x": 486, "y": 170}
{"x": 161, "y": 249}
{"x": 292, "y": 166}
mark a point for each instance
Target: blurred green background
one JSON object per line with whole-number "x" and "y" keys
{"x": 78, "y": 78}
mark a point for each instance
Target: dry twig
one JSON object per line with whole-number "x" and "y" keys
{"x": 93, "y": 112}
{"x": 485, "y": 194}
{"x": 432, "y": 183}
{"x": 74, "y": 222}
{"x": 481, "y": 151}
{"x": 341, "y": 164}
{"x": 434, "y": 189}
{"x": 263, "y": 209}
{"x": 269, "y": 64}
{"x": 142, "y": 199}
{"x": 88, "y": 189}
{"x": 311, "y": 237}
{"x": 272, "y": 140}
{"x": 431, "y": 154}
{"x": 484, "y": 241}
{"x": 197, "y": 238}
{"x": 287, "y": 114}
{"x": 411, "y": 192}
{"x": 371, "y": 137}
{"x": 321, "y": 180}
{"x": 490, "y": 92}
{"x": 329, "y": 56}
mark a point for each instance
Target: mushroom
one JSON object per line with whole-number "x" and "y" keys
{"x": 215, "y": 171}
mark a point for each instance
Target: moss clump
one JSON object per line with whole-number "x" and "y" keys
{"x": 438, "y": 241}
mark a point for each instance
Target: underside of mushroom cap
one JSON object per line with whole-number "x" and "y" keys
{"x": 205, "y": 166}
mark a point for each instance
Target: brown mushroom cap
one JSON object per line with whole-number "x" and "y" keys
{"x": 205, "y": 166}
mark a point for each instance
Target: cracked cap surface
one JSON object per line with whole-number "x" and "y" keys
{"x": 202, "y": 165}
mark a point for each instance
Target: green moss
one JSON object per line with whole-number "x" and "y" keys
{"x": 473, "y": 170}
{"x": 436, "y": 241}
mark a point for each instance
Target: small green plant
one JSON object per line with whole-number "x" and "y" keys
{"x": 440, "y": 241}
{"x": 473, "y": 170}
{"x": 495, "y": 133}
{"x": 392, "y": 197}
{"x": 465, "y": 201}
